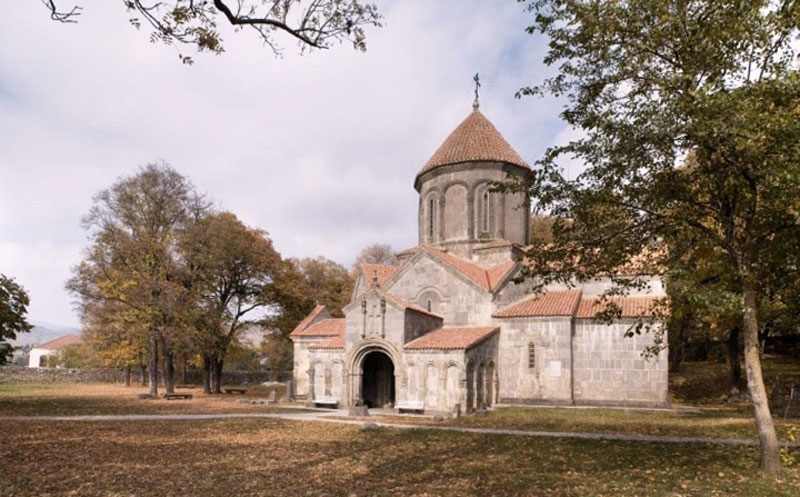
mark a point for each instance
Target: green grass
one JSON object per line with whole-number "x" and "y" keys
{"x": 284, "y": 459}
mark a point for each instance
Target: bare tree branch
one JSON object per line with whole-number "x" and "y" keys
{"x": 61, "y": 16}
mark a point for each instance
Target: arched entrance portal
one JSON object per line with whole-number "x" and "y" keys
{"x": 377, "y": 379}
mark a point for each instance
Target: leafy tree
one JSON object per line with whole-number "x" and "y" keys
{"x": 541, "y": 228}
{"x": 328, "y": 283}
{"x": 377, "y": 253}
{"x": 134, "y": 228}
{"x": 116, "y": 335}
{"x": 648, "y": 82}
{"x": 314, "y": 24}
{"x": 76, "y": 356}
{"x": 14, "y": 303}
{"x": 232, "y": 271}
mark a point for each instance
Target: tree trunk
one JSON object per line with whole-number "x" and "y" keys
{"x": 218, "y": 374}
{"x": 734, "y": 360}
{"x": 153, "y": 366}
{"x": 128, "y": 375}
{"x": 169, "y": 371}
{"x": 206, "y": 375}
{"x": 143, "y": 371}
{"x": 677, "y": 344}
{"x": 184, "y": 373}
{"x": 770, "y": 460}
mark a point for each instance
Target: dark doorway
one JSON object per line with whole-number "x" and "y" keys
{"x": 377, "y": 380}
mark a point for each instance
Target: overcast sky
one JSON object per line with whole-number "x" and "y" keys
{"x": 320, "y": 150}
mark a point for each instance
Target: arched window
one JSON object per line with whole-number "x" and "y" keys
{"x": 483, "y": 211}
{"x": 430, "y": 300}
{"x": 431, "y": 218}
{"x": 531, "y": 355}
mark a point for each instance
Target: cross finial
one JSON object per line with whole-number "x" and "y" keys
{"x": 476, "y": 103}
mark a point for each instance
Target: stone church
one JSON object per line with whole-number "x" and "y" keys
{"x": 447, "y": 331}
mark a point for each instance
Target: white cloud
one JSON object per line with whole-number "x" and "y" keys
{"x": 319, "y": 150}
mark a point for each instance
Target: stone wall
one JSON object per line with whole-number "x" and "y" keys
{"x": 435, "y": 378}
{"x": 610, "y": 369}
{"x": 18, "y": 374}
{"x": 547, "y": 378}
{"x": 461, "y": 303}
{"x": 454, "y": 189}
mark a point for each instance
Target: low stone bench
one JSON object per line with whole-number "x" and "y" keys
{"x": 410, "y": 405}
{"x": 240, "y": 391}
{"x": 177, "y": 396}
{"x": 326, "y": 402}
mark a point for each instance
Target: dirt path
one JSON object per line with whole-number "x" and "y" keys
{"x": 340, "y": 418}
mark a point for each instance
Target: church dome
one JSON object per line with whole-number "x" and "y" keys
{"x": 458, "y": 210}
{"x": 474, "y": 140}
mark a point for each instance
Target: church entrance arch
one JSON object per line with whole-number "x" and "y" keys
{"x": 377, "y": 379}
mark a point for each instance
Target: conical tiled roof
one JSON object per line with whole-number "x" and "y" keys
{"x": 475, "y": 139}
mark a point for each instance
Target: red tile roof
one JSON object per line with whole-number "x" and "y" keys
{"x": 331, "y": 343}
{"x": 497, "y": 273}
{"x": 475, "y": 139}
{"x": 408, "y": 305}
{"x": 632, "y": 307}
{"x": 486, "y": 279}
{"x": 325, "y": 328}
{"x": 543, "y": 304}
{"x": 381, "y": 271}
{"x": 61, "y": 342}
{"x": 452, "y": 338}
{"x": 302, "y": 325}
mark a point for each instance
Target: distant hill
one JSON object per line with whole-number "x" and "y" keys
{"x": 43, "y": 332}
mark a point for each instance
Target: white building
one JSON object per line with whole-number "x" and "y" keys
{"x": 40, "y": 353}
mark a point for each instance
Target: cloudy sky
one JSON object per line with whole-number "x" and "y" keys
{"x": 320, "y": 150}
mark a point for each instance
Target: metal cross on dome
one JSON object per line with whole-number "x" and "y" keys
{"x": 475, "y": 103}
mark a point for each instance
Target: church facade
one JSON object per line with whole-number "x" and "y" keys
{"x": 448, "y": 331}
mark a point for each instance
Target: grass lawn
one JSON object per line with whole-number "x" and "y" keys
{"x": 268, "y": 457}
{"x": 77, "y": 399}
{"x": 730, "y": 423}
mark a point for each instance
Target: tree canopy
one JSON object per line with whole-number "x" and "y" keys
{"x": 377, "y": 253}
{"x": 14, "y": 303}
{"x": 649, "y": 82}
{"x": 313, "y": 24}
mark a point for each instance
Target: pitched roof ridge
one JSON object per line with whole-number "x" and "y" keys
{"x": 475, "y": 139}
{"x": 553, "y": 303}
{"x": 306, "y": 321}
{"x": 453, "y": 261}
{"x": 60, "y": 342}
{"x": 453, "y": 337}
{"x": 400, "y": 301}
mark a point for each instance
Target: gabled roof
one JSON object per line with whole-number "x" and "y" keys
{"x": 404, "y": 304}
{"x": 313, "y": 315}
{"x": 543, "y": 304}
{"x": 571, "y": 303}
{"x": 631, "y": 307}
{"x": 475, "y": 139}
{"x": 336, "y": 342}
{"x": 486, "y": 279}
{"x": 326, "y": 328}
{"x": 380, "y": 271}
{"x": 61, "y": 342}
{"x": 452, "y": 338}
